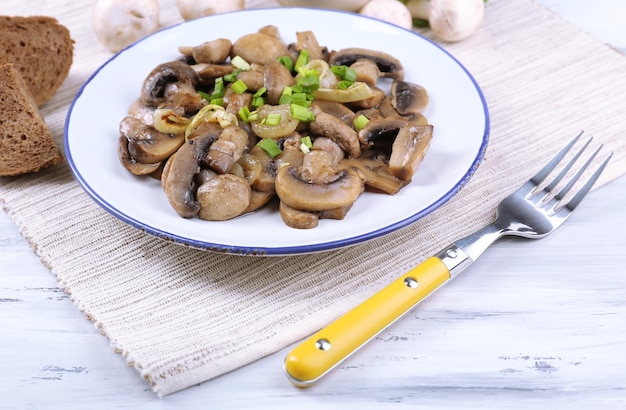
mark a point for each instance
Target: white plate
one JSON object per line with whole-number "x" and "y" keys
{"x": 457, "y": 109}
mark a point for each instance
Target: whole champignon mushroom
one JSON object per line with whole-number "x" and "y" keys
{"x": 391, "y": 11}
{"x": 276, "y": 77}
{"x": 119, "y": 23}
{"x": 450, "y": 20}
{"x": 212, "y": 52}
{"x": 223, "y": 197}
{"x": 192, "y": 9}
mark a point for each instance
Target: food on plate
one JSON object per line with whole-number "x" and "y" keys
{"x": 40, "y": 49}
{"x": 25, "y": 142}
{"x": 232, "y": 124}
{"x": 119, "y": 23}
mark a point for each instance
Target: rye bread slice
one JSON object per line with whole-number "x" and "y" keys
{"x": 26, "y": 144}
{"x": 41, "y": 50}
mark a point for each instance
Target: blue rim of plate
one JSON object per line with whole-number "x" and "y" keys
{"x": 281, "y": 250}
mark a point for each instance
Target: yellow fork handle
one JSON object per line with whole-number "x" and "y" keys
{"x": 320, "y": 353}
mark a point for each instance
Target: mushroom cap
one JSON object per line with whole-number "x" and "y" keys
{"x": 119, "y": 23}
{"x": 157, "y": 86}
{"x": 327, "y": 125}
{"x": 223, "y": 197}
{"x": 260, "y": 48}
{"x": 455, "y": 20}
{"x": 192, "y": 9}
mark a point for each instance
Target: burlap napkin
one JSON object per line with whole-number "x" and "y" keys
{"x": 183, "y": 316}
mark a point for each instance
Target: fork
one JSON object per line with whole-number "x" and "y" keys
{"x": 535, "y": 210}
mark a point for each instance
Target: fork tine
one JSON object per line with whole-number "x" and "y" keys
{"x": 573, "y": 203}
{"x": 540, "y": 176}
{"x": 567, "y": 167}
{"x": 561, "y": 194}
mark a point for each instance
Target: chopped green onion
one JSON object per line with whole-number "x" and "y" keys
{"x": 244, "y": 113}
{"x": 344, "y": 72}
{"x": 273, "y": 119}
{"x": 300, "y": 99}
{"x": 285, "y": 96}
{"x": 240, "y": 63}
{"x": 232, "y": 77}
{"x": 217, "y": 101}
{"x": 302, "y": 60}
{"x": 257, "y": 102}
{"x": 204, "y": 95}
{"x": 304, "y": 148}
{"x": 344, "y": 84}
{"x": 269, "y": 145}
{"x": 301, "y": 113}
{"x": 260, "y": 92}
{"x": 308, "y": 84}
{"x": 239, "y": 87}
{"x": 287, "y": 62}
{"x": 218, "y": 89}
{"x": 360, "y": 122}
{"x": 307, "y": 141}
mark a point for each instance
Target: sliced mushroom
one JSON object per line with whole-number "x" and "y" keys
{"x": 223, "y": 197}
{"x": 265, "y": 181}
{"x": 296, "y": 218}
{"x": 146, "y": 144}
{"x": 306, "y": 40}
{"x": 381, "y": 130}
{"x": 130, "y": 163}
{"x": 259, "y": 48}
{"x": 276, "y": 77}
{"x": 373, "y": 101}
{"x": 227, "y": 149}
{"x": 366, "y": 70}
{"x": 314, "y": 187}
{"x": 409, "y": 149}
{"x": 388, "y": 65}
{"x": 408, "y": 98}
{"x": 172, "y": 83}
{"x": 331, "y": 147}
{"x": 375, "y": 174}
{"x": 142, "y": 112}
{"x": 258, "y": 200}
{"x": 207, "y": 73}
{"x": 335, "y": 109}
{"x": 179, "y": 184}
{"x": 212, "y": 52}
{"x": 326, "y": 125}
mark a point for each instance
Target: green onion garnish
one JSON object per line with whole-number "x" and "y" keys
{"x": 287, "y": 62}
{"x": 307, "y": 141}
{"x": 239, "y": 87}
{"x": 285, "y": 96}
{"x": 360, "y": 122}
{"x": 308, "y": 83}
{"x": 302, "y": 60}
{"x": 204, "y": 95}
{"x": 217, "y": 101}
{"x": 218, "y": 89}
{"x": 273, "y": 119}
{"x": 257, "y": 102}
{"x": 300, "y": 99}
{"x": 232, "y": 77}
{"x": 240, "y": 63}
{"x": 301, "y": 113}
{"x": 344, "y": 72}
{"x": 269, "y": 145}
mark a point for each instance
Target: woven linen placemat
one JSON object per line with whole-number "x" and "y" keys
{"x": 182, "y": 316}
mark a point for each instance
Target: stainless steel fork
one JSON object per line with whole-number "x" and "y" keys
{"x": 536, "y": 209}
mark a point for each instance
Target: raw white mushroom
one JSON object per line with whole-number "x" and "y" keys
{"x": 192, "y": 9}
{"x": 119, "y": 23}
{"x": 391, "y": 11}
{"x": 450, "y": 20}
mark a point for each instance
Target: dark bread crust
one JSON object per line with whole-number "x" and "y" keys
{"x": 26, "y": 144}
{"x": 41, "y": 50}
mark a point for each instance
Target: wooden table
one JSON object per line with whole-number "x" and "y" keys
{"x": 570, "y": 345}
